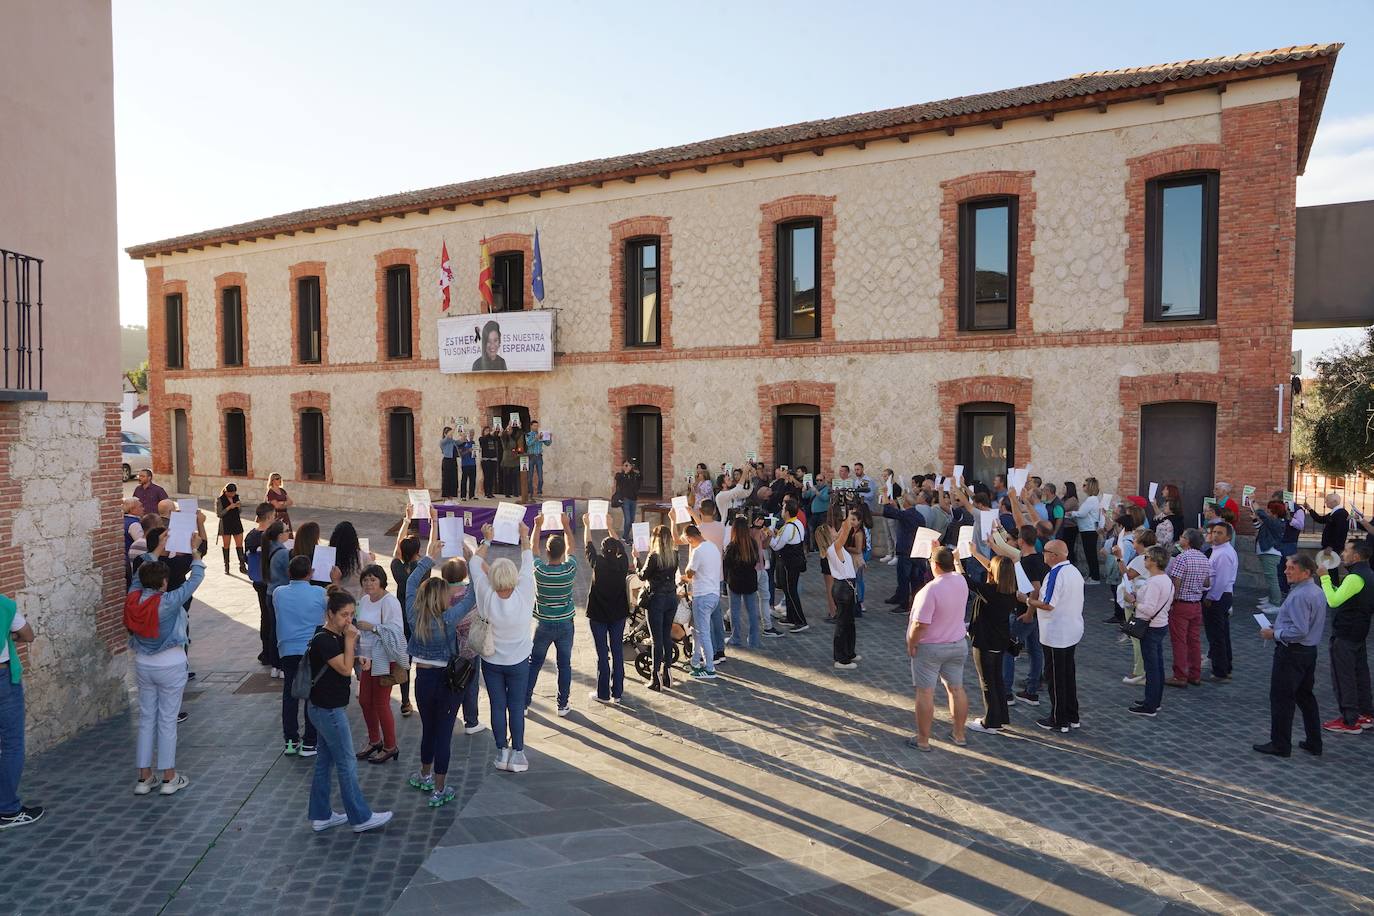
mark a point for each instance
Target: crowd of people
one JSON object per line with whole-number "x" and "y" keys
{"x": 988, "y": 570}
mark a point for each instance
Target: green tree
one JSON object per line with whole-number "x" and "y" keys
{"x": 140, "y": 376}
{"x": 1334, "y": 422}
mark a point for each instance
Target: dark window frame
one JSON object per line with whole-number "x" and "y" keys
{"x": 782, "y": 297}
{"x": 400, "y": 335}
{"x": 783, "y": 416}
{"x": 965, "y": 447}
{"x": 230, "y": 433}
{"x": 968, "y": 255}
{"x": 309, "y": 321}
{"x": 634, "y": 435}
{"x": 174, "y": 341}
{"x": 503, "y": 264}
{"x": 634, "y": 290}
{"x": 231, "y": 326}
{"x": 407, "y": 451}
{"x": 1154, "y": 247}
{"x": 308, "y": 467}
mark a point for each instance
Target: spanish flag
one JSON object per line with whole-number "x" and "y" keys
{"x": 484, "y": 275}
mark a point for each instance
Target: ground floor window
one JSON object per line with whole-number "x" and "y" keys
{"x": 797, "y": 436}
{"x": 986, "y": 440}
{"x": 401, "y": 445}
{"x": 644, "y": 446}
{"x": 312, "y": 445}
{"x": 236, "y": 442}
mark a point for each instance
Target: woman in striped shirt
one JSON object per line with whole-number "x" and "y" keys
{"x": 554, "y": 572}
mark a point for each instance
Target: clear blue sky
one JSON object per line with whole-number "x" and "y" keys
{"x": 232, "y": 111}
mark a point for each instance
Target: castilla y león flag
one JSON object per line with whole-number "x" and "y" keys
{"x": 484, "y": 275}
{"x": 445, "y": 275}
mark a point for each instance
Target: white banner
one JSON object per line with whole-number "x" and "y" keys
{"x": 498, "y": 342}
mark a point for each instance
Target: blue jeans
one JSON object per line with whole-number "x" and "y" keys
{"x": 290, "y": 706}
{"x": 537, "y": 470}
{"x": 704, "y": 608}
{"x": 438, "y": 708}
{"x": 903, "y": 579}
{"x": 506, "y": 689}
{"x": 718, "y": 627}
{"x": 744, "y": 604}
{"x": 1028, "y": 633}
{"x": 662, "y": 610}
{"x": 559, "y": 634}
{"x": 1152, "y": 653}
{"x": 627, "y": 511}
{"x": 609, "y": 640}
{"x": 336, "y": 752}
{"x": 11, "y": 742}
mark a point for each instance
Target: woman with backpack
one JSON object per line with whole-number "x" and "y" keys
{"x": 329, "y": 660}
{"x": 229, "y": 509}
{"x": 659, "y": 572}
{"x": 157, "y": 624}
{"x": 608, "y": 604}
{"x": 741, "y": 565}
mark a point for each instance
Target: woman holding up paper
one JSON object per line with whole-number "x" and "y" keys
{"x": 844, "y": 575}
{"x": 608, "y": 605}
{"x": 994, "y": 601}
{"x": 658, "y": 568}
{"x": 349, "y": 558}
{"x": 505, "y": 609}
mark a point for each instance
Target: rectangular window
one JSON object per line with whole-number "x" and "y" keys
{"x": 986, "y": 440}
{"x": 1181, "y": 247}
{"x": 641, "y": 293}
{"x": 308, "y": 319}
{"x": 401, "y": 445}
{"x": 799, "y": 280}
{"x": 232, "y": 325}
{"x": 236, "y": 442}
{"x": 398, "y": 329}
{"x": 176, "y": 333}
{"x": 508, "y": 282}
{"x": 987, "y": 264}
{"x": 644, "y": 446}
{"x": 797, "y": 436}
{"x": 312, "y": 445}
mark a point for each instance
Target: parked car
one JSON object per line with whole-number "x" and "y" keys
{"x": 134, "y": 438}
{"x": 136, "y": 456}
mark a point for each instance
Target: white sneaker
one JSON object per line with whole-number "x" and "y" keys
{"x": 277, "y": 673}
{"x": 503, "y": 759}
{"x": 518, "y": 763}
{"x": 978, "y": 726}
{"x": 891, "y": 562}
{"x": 1133, "y": 680}
{"x": 377, "y": 819}
{"x": 846, "y": 666}
{"x": 857, "y": 658}
{"x": 334, "y": 820}
{"x": 144, "y": 786}
{"x": 563, "y": 712}
{"x": 474, "y": 729}
{"x": 175, "y": 786}
{"x": 596, "y": 699}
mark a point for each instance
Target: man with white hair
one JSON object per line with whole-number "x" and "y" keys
{"x": 133, "y": 531}
{"x": 1222, "y": 492}
{"x": 1335, "y": 523}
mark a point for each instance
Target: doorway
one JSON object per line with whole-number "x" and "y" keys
{"x": 1178, "y": 445}
{"x": 181, "y": 451}
{"x": 797, "y": 437}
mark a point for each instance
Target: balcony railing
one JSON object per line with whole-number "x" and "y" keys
{"x": 21, "y": 294}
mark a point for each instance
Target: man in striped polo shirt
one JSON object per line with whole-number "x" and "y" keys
{"x": 554, "y": 573}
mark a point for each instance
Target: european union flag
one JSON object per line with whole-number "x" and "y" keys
{"x": 537, "y": 276}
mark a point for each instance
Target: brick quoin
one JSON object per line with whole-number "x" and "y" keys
{"x": 297, "y": 272}
{"x": 235, "y": 400}
{"x": 784, "y": 210}
{"x": 388, "y": 401}
{"x": 625, "y": 231}
{"x": 173, "y": 402}
{"x": 956, "y": 392}
{"x": 505, "y": 243}
{"x": 973, "y": 187}
{"x": 820, "y": 395}
{"x": 488, "y": 399}
{"x": 397, "y": 257}
{"x": 622, "y": 399}
{"x": 223, "y": 282}
{"x": 107, "y": 543}
{"x": 300, "y": 400}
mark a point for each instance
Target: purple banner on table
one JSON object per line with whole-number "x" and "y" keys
{"x": 475, "y": 516}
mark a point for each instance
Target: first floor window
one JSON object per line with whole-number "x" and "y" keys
{"x": 641, "y": 293}
{"x": 644, "y": 446}
{"x": 232, "y": 325}
{"x": 797, "y": 436}
{"x": 398, "y": 329}
{"x": 308, "y": 344}
{"x": 1181, "y": 247}
{"x": 176, "y": 332}
{"x": 312, "y": 444}
{"x": 401, "y": 445}
{"x": 986, "y": 440}
{"x": 508, "y": 282}
{"x": 799, "y": 279}
{"x": 987, "y": 264}
{"x": 236, "y": 442}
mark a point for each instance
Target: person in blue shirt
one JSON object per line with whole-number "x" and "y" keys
{"x": 1296, "y": 634}
{"x": 299, "y": 608}
{"x": 534, "y": 447}
{"x": 448, "y": 448}
{"x": 467, "y": 457}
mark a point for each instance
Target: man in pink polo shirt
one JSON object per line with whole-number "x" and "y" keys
{"x": 935, "y": 641}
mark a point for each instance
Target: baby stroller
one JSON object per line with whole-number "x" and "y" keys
{"x": 637, "y": 632}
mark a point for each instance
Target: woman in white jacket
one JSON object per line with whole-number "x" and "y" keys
{"x": 1089, "y": 519}
{"x": 505, "y": 599}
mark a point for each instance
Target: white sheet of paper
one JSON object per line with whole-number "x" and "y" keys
{"x": 496, "y": 422}
{"x": 419, "y": 500}
{"x": 291, "y": 542}
{"x": 1014, "y": 481}
{"x": 680, "y": 513}
{"x": 1264, "y": 622}
{"x": 546, "y": 436}
{"x": 965, "y": 541}
{"x": 920, "y": 547}
{"x": 515, "y": 419}
{"x": 949, "y": 485}
{"x": 958, "y": 473}
{"x": 887, "y": 489}
{"x": 322, "y": 563}
{"x": 640, "y": 532}
{"x": 470, "y": 542}
{"x": 187, "y": 505}
{"x": 1246, "y": 493}
{"x": 1023, "y": 582}
{"x": 808, "y": 480}
{"x": 505, "y": 528}
{"x": 1154, "y": 488}
{"x": 987, "y": 520}
{"x": 451, "y": 533}
{"x": 552, "y": 511}
{"x": 597, "y": 512}
{"x": 364, "y": 545}
{"x": 180, "y": 527}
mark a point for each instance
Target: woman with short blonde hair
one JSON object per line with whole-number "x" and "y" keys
{"x": 505, "y": 608}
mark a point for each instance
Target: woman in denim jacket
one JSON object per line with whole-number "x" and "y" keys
{"x": 1270, "y": 524}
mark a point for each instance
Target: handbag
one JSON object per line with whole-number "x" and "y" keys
{"x": 460, "y": 671}
{"x": 481, "y": 640}
{"x": 1015, "y": 647}
{"x": 399, "y": 674}
{"x": 1137, "y": 627}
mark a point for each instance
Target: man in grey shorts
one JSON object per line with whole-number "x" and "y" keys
{"x": 935, "y": 640}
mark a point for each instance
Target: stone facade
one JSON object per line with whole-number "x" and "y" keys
{"x": 887, "y": 349}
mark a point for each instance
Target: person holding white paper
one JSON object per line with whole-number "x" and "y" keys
{"x": 994, "y": 604}
{"x": 598, "y": 514}
{"x": 608, "y": 606}
{"x": 505, "y": 601}
{"x": 450, "y": 536}
{"x": 535, "y": 443}
{"x": 657, "y": 566}
{"x": 508, "y": 522}
{"x": 555, "y": 569}
{"x": 842, "y": 590}
{"x": 349, "y": 558}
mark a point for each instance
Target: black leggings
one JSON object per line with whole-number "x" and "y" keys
{"x": 662, "y": 609}
{"x": 787, "y": 580}
{"x": 988, "y": 664}
{"x": 469, "y": 485}
{"x": 1069, "y": 535}
{"x": 1089, "y": 541}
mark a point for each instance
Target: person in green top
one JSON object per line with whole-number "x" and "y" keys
{"x": 1352, "y": 605}
{"x": 15, "y": 629}
{"x": 554, "y": 573}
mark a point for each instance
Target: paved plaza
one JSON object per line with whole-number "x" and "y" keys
{"x": 783, "y": 787}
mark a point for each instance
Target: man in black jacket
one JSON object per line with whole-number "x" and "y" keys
{"x": 1335, "y": 524}
{"x": 1351, "y": 603}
